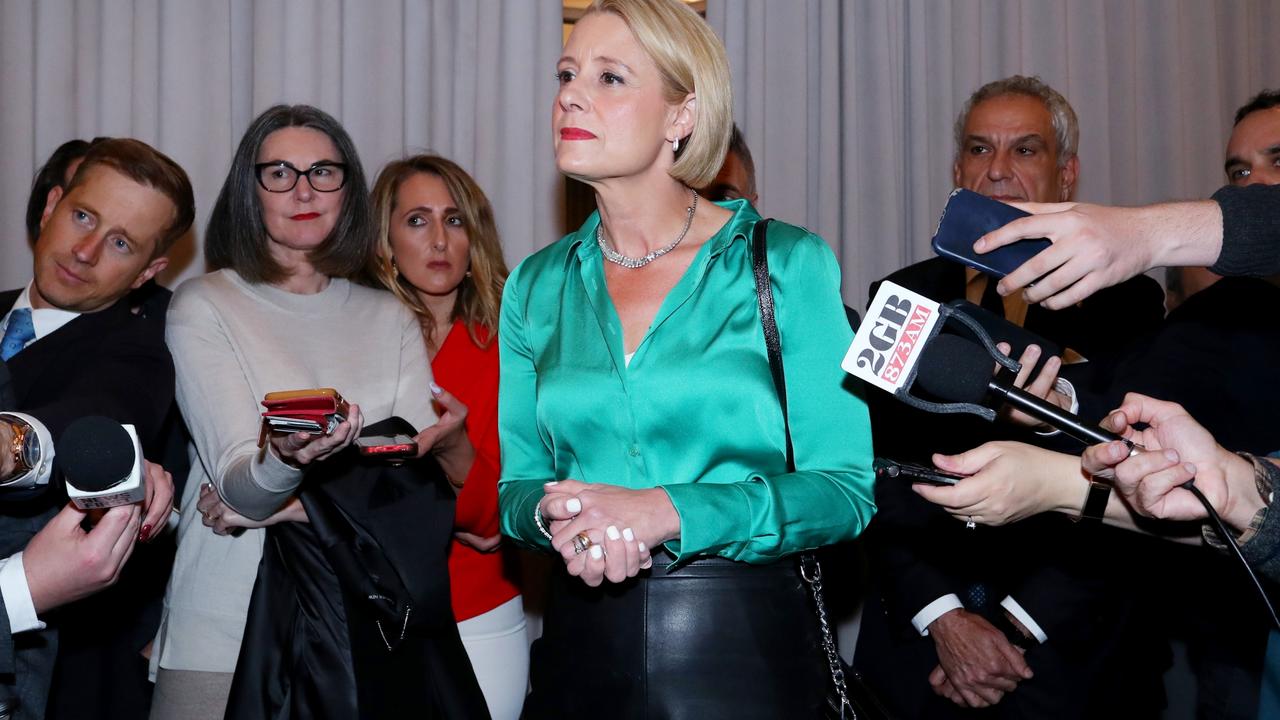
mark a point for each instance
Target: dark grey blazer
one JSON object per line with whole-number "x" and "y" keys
{"x": 110, "y": 363}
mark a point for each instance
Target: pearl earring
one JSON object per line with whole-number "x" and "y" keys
{"x": 675, "y": 145}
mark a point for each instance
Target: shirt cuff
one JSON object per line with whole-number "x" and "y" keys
{"x": 935, "y": 610}
{"x": 1008, "y": 603}
{"x": 17, "y": 596}
{"x": 273, "y": 474}
{"x": 1063, "y": 386}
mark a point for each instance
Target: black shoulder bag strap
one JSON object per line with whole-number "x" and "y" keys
{"x": 838, "y": 701}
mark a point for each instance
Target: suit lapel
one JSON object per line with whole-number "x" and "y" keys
{"x": 7, "y": 299}
{"x": 46, "y": 354}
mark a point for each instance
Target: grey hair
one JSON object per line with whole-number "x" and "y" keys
{"x": 1066, "y": 129}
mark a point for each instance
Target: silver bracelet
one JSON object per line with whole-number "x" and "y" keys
{"x": 537, "y": 520}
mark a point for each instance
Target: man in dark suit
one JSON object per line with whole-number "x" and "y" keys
{"x": 1017, "y": 618}
{"x": 1215, "y": 355}
{"x": 73, "y": 348}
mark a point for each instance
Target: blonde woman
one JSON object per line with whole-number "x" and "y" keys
{"x": 440, "y": 254}
{"x": 638, "y": 417}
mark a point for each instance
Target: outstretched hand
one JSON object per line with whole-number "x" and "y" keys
{"x": 1178, "y": 450}
{"x": 1008, "y": 481}
{"x": 447, "y": 438}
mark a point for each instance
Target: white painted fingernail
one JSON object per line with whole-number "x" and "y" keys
{"x": 626, "y": 533}
{"x": 597, "y": 552}
{"x": 436, "y": 389}
{"x": 574, "y": 505}
{"x": 612, "y": 532}
{"x": 641, "y": 546}
{"x": 549, "y": 484}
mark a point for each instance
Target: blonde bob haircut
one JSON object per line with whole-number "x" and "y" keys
{"x": 480, "y": 292}
{"x": 691, "y": 60}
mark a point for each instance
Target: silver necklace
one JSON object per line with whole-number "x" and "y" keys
{"x": 631, "y": 263}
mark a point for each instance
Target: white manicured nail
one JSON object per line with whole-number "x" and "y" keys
{"x": 612, "y": 532}
{"x": 436, "y": 389}
{"x": 573, "y": 505}
{"x": 626, "y": 533}
{"x": 641, "y": 546}
{"x": 550, "y": 483}
{"x": 597, "y": 552}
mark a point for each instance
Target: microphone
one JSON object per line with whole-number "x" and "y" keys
{"x": 102, "y": 462}
{"x": 900, "y": 348}
{"x": 956, "y": 370}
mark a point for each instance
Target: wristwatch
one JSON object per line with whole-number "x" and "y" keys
{"x": 22, "y": 448}
{"x": 1095, "y": 503}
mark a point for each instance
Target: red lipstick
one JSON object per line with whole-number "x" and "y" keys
{"x": 305, "y": 216}
{"x": 573, "y": 133}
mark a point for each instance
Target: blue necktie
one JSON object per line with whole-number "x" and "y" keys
{"x": 19, "y": 332}
{"x": 977, "y": 596}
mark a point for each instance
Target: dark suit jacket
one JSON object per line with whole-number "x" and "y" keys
{"x": 1216, "y": 355}
{"x": 919, "y": 553}
{"x": 109, "y": 363}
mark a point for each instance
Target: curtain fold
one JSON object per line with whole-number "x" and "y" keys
{"x": 849, "y": 107}
{"x": 469, "y": 80}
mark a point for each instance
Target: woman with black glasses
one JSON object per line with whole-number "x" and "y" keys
{"x": 291, "y": 242}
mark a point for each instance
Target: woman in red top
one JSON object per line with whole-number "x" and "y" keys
{"x": 440, "y": 254}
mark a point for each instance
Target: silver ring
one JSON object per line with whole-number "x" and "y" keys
{"x": 969, "y": 524}
{"x": 581, "y": 542}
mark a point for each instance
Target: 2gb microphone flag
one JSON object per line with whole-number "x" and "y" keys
{"x": 888, "y": 343}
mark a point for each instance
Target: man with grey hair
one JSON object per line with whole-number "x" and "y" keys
{"x": 1022, "y": 619}
{"x": 1016, "y": 140}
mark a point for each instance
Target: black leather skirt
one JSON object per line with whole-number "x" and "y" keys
{"x": 711, "y": 639}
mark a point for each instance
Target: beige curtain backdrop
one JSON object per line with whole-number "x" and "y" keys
{"x": 473, "y": 80}
{"x": 848, "y": 106}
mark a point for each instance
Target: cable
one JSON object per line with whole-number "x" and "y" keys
{"x": 1228, "y": 538}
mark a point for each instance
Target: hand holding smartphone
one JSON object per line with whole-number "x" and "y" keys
{"x": 970, "y": 215}
{"x": 886, "y": 468}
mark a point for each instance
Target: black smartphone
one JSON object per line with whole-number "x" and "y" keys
{"x": 970, "y": 215}
{"x": 886, "y": 468}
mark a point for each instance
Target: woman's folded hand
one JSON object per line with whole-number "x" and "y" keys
{"x": 606, "y": 532}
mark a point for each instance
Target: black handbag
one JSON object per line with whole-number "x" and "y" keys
{"x": 849, "y": 697}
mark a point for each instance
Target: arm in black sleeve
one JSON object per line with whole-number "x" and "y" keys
{"x": 1250, "y": 230}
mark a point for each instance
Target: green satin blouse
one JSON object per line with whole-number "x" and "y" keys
{"x": 695, "y": 412}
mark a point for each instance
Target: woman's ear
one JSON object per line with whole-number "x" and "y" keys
{"x": 685, "y": 118}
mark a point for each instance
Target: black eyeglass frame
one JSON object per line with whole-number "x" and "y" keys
{"x": 299, "y": 174}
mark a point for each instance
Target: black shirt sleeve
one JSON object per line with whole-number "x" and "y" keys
{"x": 1250, "y": 230}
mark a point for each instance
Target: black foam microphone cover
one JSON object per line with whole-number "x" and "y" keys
{"x": 95, "y": 453}
{"x": 955, "y": 370}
